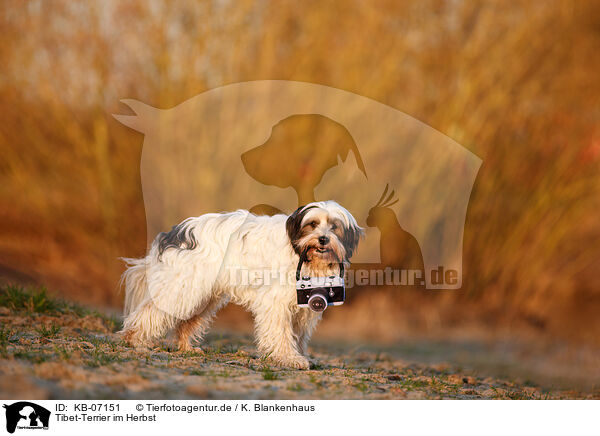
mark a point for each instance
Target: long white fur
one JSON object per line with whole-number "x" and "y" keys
{"x": 163, "y": 291}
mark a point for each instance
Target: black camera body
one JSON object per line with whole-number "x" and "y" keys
{"x": 317, "y": 293}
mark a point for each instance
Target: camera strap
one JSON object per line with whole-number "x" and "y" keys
{"x": 303, "y": 258}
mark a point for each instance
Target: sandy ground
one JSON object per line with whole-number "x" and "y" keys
{"x": 67, "y": 356}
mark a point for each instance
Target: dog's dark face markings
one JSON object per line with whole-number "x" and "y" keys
{"x": 350, "y": 238}
{"x": 324, "y": 234}
{"x": 294, "y": 227}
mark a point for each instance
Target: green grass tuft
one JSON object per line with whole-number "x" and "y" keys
{"x": 5, "y": 334}
{"x": 63, "y": 352}
{"x": 98, "y": 357}
{"x": 361, "y": 386}
{"x": 19, "y": 298}
{"x": 316, "y": 381}
{"x": 295, "y": 387}
{"x": 48, "y": 332}
{"x": 36, "y": 300}
{"x": 190, "y": 354}
{"x": 32, "y": 356}
{"x": 269, "y": 374}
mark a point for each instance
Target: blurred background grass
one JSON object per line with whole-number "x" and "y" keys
{"x": 514, "y": 82}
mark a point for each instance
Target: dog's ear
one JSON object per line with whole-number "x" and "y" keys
{"x": 293, "y": 225}
{"x": 351, "y": 239}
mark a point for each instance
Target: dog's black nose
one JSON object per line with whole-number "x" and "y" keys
{"x": 323, "y": 240}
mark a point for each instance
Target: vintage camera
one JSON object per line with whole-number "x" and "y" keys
{"x": 317, "y": 293}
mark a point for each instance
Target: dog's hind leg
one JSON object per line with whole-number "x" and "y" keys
{"x": 196, "y": 326}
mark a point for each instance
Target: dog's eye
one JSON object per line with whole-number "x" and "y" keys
{"x": 333, "y": 227}
{"x": 313, "y": 224}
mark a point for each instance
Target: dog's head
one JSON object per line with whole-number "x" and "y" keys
{"x": 325, "y": 230}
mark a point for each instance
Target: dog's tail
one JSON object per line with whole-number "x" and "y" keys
{"x": 134, "y": 279}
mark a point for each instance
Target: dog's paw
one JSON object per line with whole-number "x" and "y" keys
{"x": 296, "y": 362}
{"x": 185, "y": 349}
{"x": 132, "y": 339}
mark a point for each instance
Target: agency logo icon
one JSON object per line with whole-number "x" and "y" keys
{"x": 26, "y": 415}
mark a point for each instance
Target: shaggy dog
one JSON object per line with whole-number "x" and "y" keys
{"x": 193, "y": 271}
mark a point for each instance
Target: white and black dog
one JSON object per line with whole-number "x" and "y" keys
{"x": 185, "y": 278}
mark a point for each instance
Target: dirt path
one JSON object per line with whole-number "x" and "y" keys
{"x": 65, "y": 352}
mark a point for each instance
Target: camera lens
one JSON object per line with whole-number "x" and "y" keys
{"x": 318, "y": 300}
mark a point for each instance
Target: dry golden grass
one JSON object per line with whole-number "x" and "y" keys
{"x": 514, "y": 82}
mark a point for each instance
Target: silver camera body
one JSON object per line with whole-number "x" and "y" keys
{"x": 317, "y": 293}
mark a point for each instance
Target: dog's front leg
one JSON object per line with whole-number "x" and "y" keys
{"x": 275, "y": 335}
{"x": 304, "y": 323}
